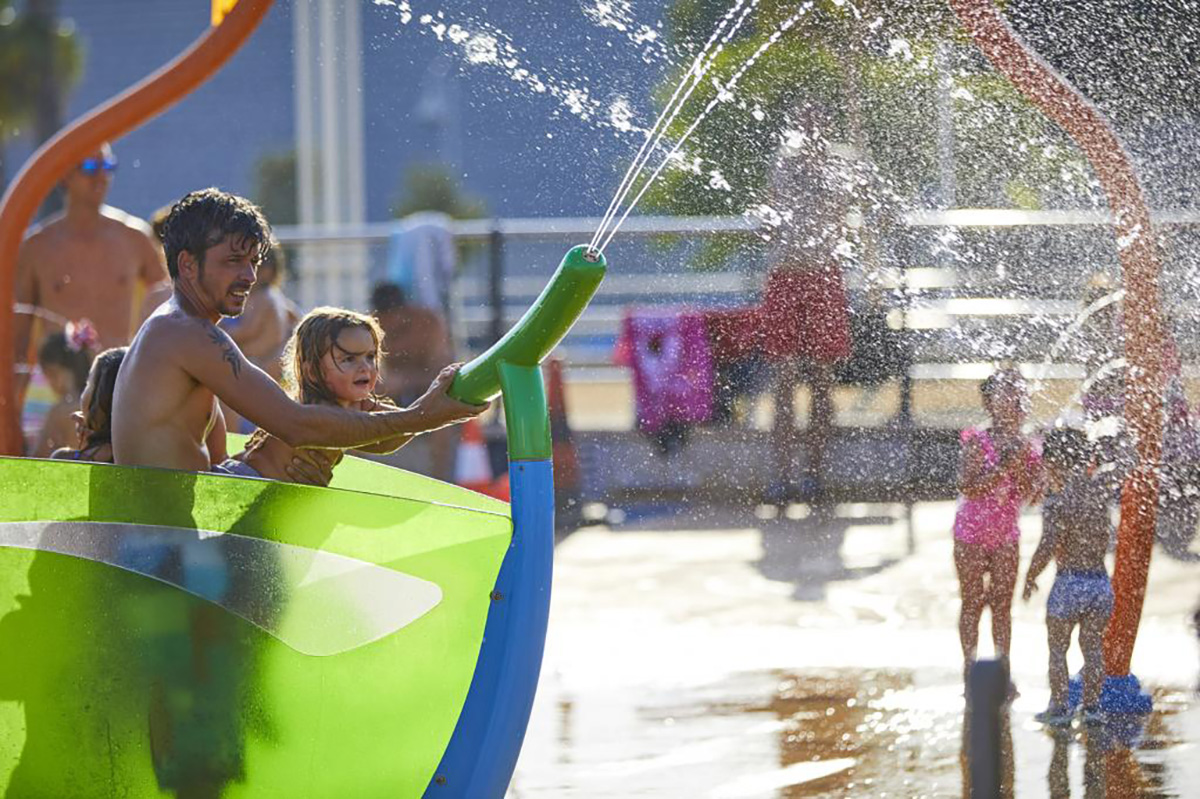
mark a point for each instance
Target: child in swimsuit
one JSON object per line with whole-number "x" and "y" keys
{"x": 65, "y": 358}
{"x": 1076, "y": 529}
{"x": 331, "y": 359}
{"x": 93, "y": 420}
{"x": 999, "y": 472}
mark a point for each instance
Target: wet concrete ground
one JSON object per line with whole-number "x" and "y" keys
{"x": 754, "y": 657}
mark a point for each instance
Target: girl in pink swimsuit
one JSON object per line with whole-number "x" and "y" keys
{"x": 999, "y": 472}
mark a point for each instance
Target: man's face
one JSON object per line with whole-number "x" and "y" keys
{"x": 89, "y": 181}
{"x": 226, "y": 274}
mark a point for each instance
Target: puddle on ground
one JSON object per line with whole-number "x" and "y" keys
{"x": 858, "y": 733}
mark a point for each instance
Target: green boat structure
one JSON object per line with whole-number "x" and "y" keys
{"x": 196, "y": 635}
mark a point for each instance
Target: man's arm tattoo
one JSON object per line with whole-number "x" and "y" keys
{"x": 229, "y": 352}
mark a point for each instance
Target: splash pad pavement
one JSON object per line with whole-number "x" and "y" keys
{"x": 763, "y": 658}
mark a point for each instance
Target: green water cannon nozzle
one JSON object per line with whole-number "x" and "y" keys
{"x": 539, "y": 331}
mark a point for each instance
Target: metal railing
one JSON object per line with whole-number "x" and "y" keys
{"x": 941, "y": 304}
{"x": 323, "y": 256}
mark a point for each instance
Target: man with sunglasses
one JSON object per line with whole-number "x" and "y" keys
{"x": 91, "y": 261}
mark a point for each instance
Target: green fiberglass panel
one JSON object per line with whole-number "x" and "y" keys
{"x": 173, "y": 634}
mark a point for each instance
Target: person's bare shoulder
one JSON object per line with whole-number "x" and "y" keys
{"x": 170, "y": 329}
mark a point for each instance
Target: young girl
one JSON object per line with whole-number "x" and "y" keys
{"x": 93, "y": 420}
{"x": 999, "y": 471}
{"x": 331, "y": 359}
{"x": 64, "y": 359}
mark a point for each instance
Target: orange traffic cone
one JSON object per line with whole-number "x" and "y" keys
{"x": 472, "y": 466}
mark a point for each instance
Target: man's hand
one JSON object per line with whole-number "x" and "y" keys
{"x": 313, "y": 467}
{"x": 1030, "y": 588}
{"x": 437, "y": 409}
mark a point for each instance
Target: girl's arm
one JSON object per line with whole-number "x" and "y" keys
{"x": 975, "y": 479}
{"x": 1027, "y": 472}
{"x": 1041, "y": 556}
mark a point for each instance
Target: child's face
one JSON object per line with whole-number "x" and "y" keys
{"x": 349, "y": 368}
{"x": 1009, "y": 404}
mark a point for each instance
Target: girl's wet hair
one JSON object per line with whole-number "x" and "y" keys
{"x": 316, "y": 335}
{"x": 57, "y": 350}
{"x": 103, "y": 379}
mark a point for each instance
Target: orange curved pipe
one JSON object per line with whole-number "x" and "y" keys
{"x": 118, "y": 116}
{"x": 1144, "y": 341}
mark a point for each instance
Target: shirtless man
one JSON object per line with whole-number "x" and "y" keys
{"x": 1076, "y": 528}
{"x": 166, "y": 412}
{"x": 87, "y": 262}
{"x": 418, "y": 346}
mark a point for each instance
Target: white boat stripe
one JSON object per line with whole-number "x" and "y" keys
{"x": 318, "y": 603}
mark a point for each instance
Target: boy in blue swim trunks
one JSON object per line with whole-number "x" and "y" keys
{"x": 1076, "y": 529}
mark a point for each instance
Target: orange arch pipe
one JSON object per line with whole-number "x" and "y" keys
{"x": 1144, "y": 327}
{"x": 114, "y": 118}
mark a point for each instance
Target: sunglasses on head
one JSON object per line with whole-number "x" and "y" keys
{"x": 90, "y": 166}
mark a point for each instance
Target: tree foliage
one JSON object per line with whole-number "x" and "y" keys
{"x": 36, "y": 53}
{"x": 870, "y": 69}
{"x": 432, "y": 187}
{"x": 275, "y": 188}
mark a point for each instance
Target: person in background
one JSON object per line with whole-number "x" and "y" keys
{"x": 156, "y": 295}
{"x": 65, "y": 359}
{"x": 94, "y": 417}
{"x": 91, "y": 261}
{"x": 418, "y": 347}
{"x": 999, "y": 472}
{"x": 1076, "y": 528}
{"x": 803, "y": 320}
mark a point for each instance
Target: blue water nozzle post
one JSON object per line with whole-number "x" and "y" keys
{"x": 481, "y": 756}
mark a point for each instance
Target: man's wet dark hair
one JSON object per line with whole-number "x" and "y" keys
{"x": 204, "y": 218}
{"x": 1068, "y": 447}
{"x": 386, "y": 296}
